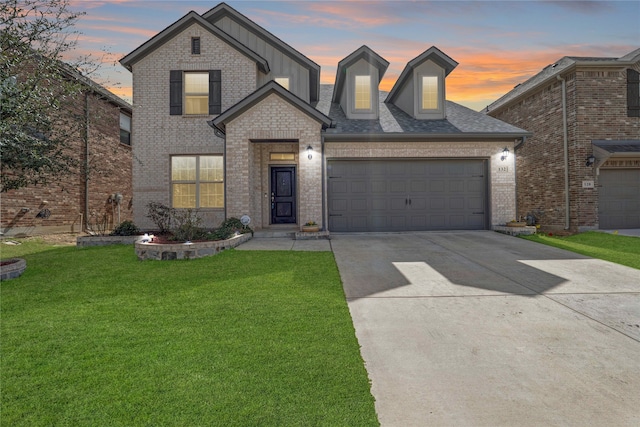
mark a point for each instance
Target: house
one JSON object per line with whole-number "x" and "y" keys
{"x": 581, "y": 168}
{"x": 97, "y": 192}
{"x": 232, "y": 121}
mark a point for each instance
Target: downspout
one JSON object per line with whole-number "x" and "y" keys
{"x": 565, "y": 137}
{"x": 323, "y": 164}
{"x": 86, "y": 157}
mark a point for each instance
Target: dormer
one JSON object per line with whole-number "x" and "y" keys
{"x": 357, "y": 80}
{"x": 420, "y": 89}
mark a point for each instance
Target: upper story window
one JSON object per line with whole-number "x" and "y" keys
{"x": 363, "y": 93}
{"x": 283, "y": 81}
{"x": 195, "y": 93}
{"x": 195, "y": 45}
{"x": 197, "y": 182}
{"x": 125, "y": 129}
{"x": 429, "y": 95}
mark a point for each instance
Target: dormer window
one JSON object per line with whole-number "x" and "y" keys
{"x": 363, "y": 92}
{"x": 282, "y": 81}
{"x": 429, "y": 93}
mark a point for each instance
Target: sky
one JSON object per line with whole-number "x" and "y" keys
{"x": 498, "y": 44}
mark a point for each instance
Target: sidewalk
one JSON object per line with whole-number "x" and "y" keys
{"x": 284, "y": 244}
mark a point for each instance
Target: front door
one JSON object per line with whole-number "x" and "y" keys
{"x": 283, "y": 195}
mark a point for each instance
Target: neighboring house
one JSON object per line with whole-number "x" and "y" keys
{"x": 577, "y": 108}
{"x": 232, "y": 121}
{"x": 96, "y": 192}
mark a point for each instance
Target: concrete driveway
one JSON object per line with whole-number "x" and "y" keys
{"x": 483, "y": 329}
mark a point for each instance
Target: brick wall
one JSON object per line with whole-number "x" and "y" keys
{"x": 109, "y": 172}
{"x": 248, "y": 162}
{"x": 158, "y": 135}
{"x": 596, "y": 109}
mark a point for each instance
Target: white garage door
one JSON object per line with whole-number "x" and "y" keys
{"x": 407, "y": 195}
{"x": 619, "y": 198}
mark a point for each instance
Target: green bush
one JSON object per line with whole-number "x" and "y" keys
{"x": 161, "y": 215}
{"x": 187, "y": 226}
{"x": 125, "y": 228}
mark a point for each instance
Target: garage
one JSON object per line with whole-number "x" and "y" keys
{"x": 407, "y": 195}
{"x": 619, "y": 198}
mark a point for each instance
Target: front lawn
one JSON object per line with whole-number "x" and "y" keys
{"x": 94, "y": 337}
{"x": 623, "y": 250}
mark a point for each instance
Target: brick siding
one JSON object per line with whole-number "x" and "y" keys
{"x": 596, "y": 109}
{"x": 160, "y": 135}
{"x": 64, "y": 197}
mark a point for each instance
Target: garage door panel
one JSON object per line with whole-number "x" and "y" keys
{"x": 619, "y": 198}
{"x": 396, "y": 186}
{"x": 405, "y": 195}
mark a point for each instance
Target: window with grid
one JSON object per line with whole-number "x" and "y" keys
{"x": 196, "y": 93}
{"x": 429, "y": 93}
{"x": 197, "y": 182}
{"x": 363, "y": 93}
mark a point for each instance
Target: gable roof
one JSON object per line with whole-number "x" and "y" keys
{"x": 271, "y": 87}
{"x": 224, "y": 10}
{"x": 563, "y": 65}
{"x": 178, "y": 26}
{"x": 434, "y": 54}
{"x": 364, "y": 52}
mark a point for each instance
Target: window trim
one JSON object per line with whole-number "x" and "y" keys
{"x": 197, "y": 181}
{"x": 438, "y": 96}
{"x": 186, "y": 94}
{"x": 355, "y": 94}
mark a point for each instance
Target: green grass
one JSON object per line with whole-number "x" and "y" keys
{"x": 94, "y": 337}
{"x": 623, "y": 250}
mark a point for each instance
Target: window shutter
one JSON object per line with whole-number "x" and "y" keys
{"x": 633, "y": 93}
{"x": 175, "y": 92}
{"x": 215, "y": 92}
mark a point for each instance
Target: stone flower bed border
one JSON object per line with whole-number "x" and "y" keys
{"x": 169, "y": 251}
{"x": 14, "y": 267}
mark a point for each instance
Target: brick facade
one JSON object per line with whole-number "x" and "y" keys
{"x": 109, "y": 171}
{"x": 248, "y": 179}
{"x": 160, "y": 135}
{"x": 596, "y": 101}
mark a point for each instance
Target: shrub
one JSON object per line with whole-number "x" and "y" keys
{"x": 161, "y": 215}
{"x": 125, "y": 228}
{"x": 187, "y": 225}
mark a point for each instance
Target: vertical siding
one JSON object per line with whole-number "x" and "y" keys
{"x": 280, "y": 64}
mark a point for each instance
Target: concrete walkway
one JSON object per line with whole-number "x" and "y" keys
{"x": 483, "y": 329}
{"x": 285, "y": 244}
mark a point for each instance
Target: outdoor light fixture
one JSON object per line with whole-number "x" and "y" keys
{"x": 505, "y": 154}
{"x": 309, "y": 152}
{"x": 591, "y": 160}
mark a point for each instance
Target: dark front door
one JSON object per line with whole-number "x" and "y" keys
{"x": 283, "y": 195}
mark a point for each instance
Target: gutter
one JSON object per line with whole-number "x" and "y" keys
{"x": 422, "y": 137}
{"x": 565, "y": 137}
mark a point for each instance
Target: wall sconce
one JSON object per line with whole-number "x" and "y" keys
{"x": 309, "y": 152}
{"x": 505, "y": 154}
{"x": 591, "y": 160}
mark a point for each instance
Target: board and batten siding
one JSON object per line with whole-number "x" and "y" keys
{"x": 281, "y": 65}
